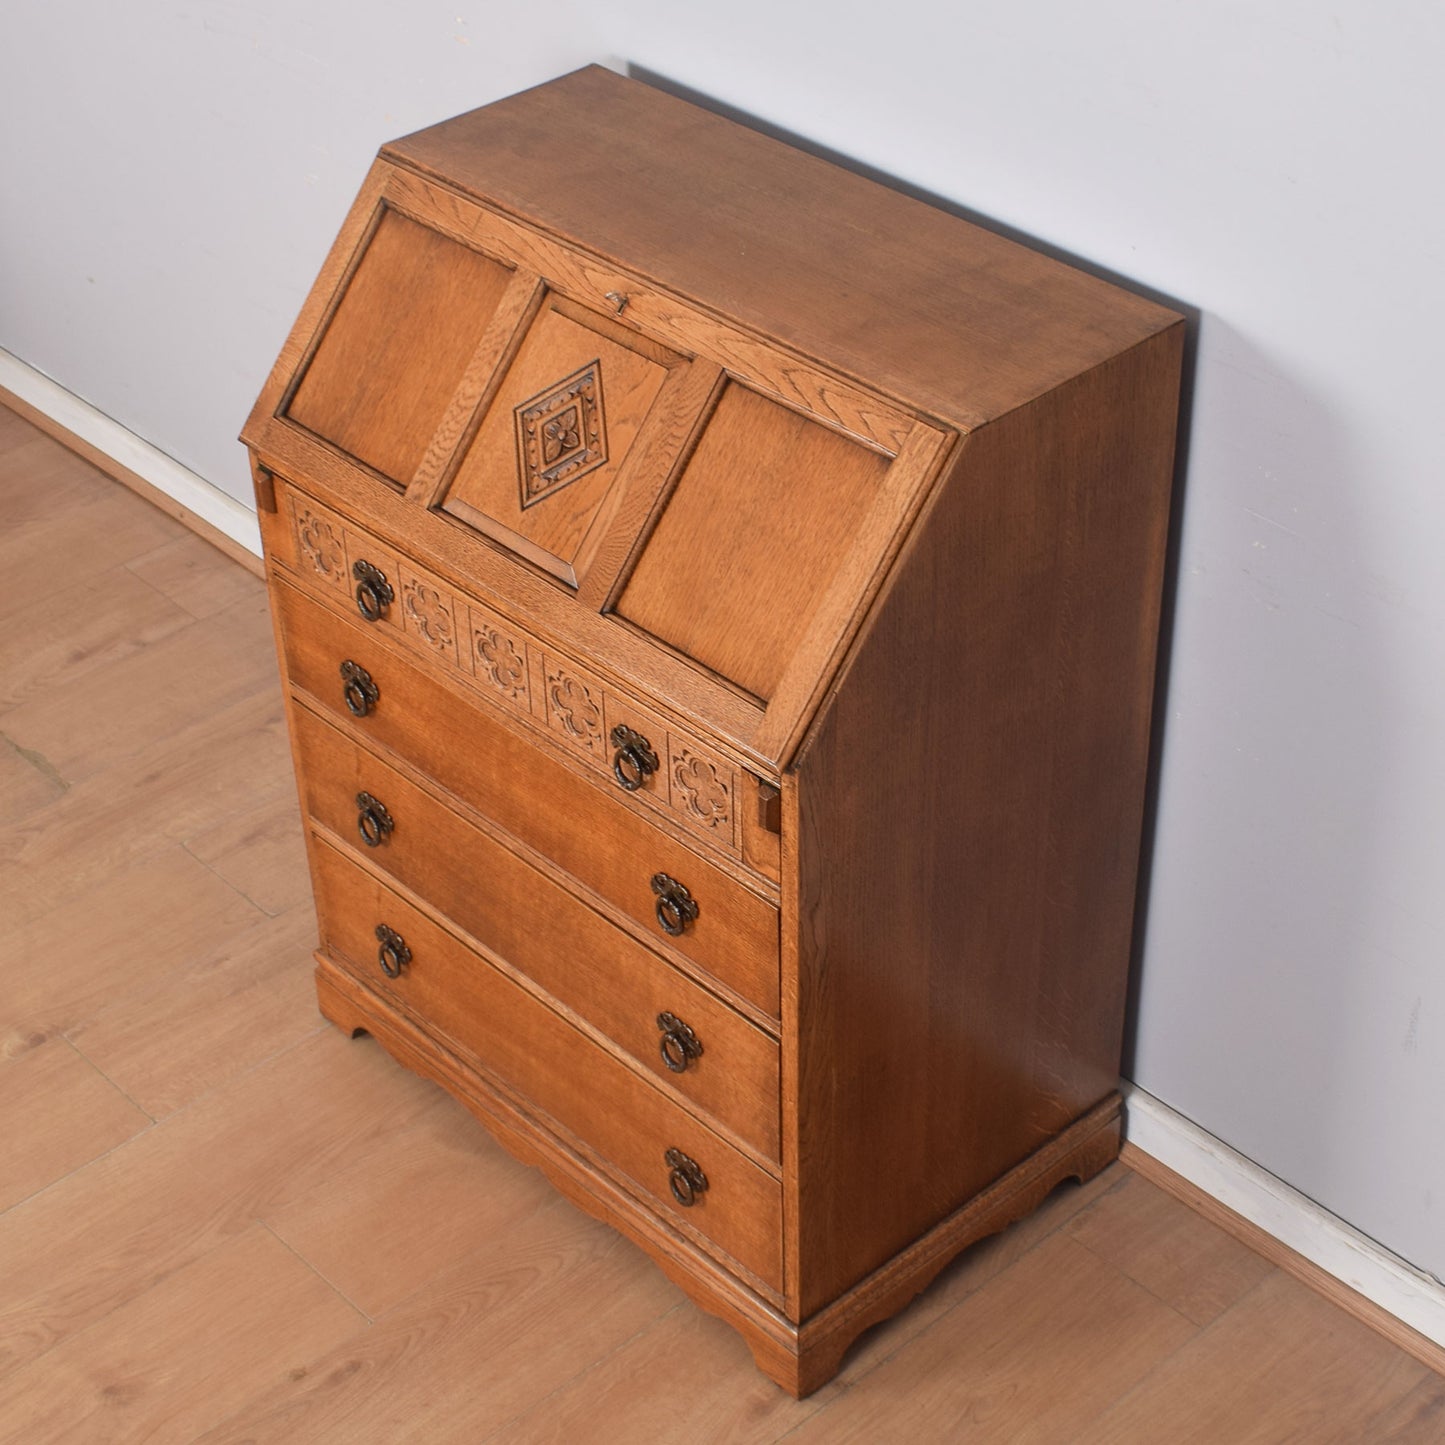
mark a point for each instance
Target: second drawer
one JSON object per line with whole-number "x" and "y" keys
{"x": 713, "y": 1057}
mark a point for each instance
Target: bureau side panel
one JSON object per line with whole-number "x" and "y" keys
{"x": 967, "y": 824}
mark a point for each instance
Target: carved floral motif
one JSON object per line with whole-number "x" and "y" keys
{"x": 573, "y": 710}
{"x": 430, "y": 614}
{"x": 501, "y": 663}
{"x": 561, "y": 434}
{"x": 704, "y": 793}
{"x": 321, "y": 545}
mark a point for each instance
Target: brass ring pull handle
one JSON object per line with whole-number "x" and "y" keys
{"x": 676, "y": 907}
{"x": 685, "y": 1178}
{"x": 373, "y": 822}
{"x": 359, "y": 691}
{"x": 373, "y": 592}
{"x": 393, "y": 955}
{"x": 634, "y": 761}
{"x": 680, "y": 1046}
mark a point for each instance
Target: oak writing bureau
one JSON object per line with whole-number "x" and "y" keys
{"x": 717, "y": 598}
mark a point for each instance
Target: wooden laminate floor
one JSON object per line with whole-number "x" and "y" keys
{"x": 220, "y": 1220}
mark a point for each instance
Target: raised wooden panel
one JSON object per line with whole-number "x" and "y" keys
{"x": 557, "y": 434}
{"x": 396, "y": 346}
{"x": 735, "y": 569}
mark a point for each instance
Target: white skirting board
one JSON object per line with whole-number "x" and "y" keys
{"x": 1415, "y": 1298}
{"x": 222, "y": 511}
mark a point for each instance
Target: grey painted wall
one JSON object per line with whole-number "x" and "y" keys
{"x": 172, "y": 173}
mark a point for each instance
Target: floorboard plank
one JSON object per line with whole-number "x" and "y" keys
{"x": 110, "y": 1231}
{"x": 85, "y": 724}
{"x": 76, "y": 630}
{"x": 261, "y": 852}
{"x": 1283, "y": 1364}
{"x": 172, "y": 791}
{"x": 25, "y": 786}
{"x": 60, "y": 1113}
{"x": 398, "y": 1214}
{"x": 502, "y": 1329}
{"x": 1189, "y": 1263}
{"x": 141, "y": 924}
{"x": 183, "y": 1355}
{"x": 196, "y": 577}
{"x": 1050, "y": 1343}
{"x": 249, "y": 996}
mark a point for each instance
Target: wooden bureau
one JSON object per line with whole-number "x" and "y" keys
{"x": 717, "y": 598}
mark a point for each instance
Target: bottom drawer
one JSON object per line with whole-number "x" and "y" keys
{"x": 464, "y": 1001}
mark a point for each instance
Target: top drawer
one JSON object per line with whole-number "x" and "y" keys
{"x": 664, "y": 767}
{"x": 599, "y": 841}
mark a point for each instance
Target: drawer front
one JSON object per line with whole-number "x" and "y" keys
{"x": 666, "y": 769}
{"x": 599, "y": 841}
{"x": 458, "y": 996}
{"x": 715, "y": 1059}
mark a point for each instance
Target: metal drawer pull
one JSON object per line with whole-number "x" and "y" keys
{"x": 634, "y": 761}
{"x": 685, "y": 1179}
{"x": 373, "y": 591}
{"x": 393, "y": 955}
{"x": 680, "y": 1046}
{"x": 676, "y": 907}
{"x": 360, "y": 692}
{"x": 373, "y": 822}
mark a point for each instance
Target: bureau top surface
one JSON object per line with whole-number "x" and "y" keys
{"x": 670, "y": 394}
{"x": 929, "y": 308}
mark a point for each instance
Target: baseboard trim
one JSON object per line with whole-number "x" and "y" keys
{"x": 132, "y": 461}
{"x": 1380, "y": 1289}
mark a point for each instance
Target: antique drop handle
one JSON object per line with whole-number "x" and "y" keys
{"x": 634, "y": 761}
{"x": 357, "y": 688}
{"x": 676, "y": 907}
{"x": 685, "y": 1178}
{"x": 373, "y": 592}
{"x": 680, "y": 1046}
{"x": 393, "y": 955}
{"x": 373, "y": 822}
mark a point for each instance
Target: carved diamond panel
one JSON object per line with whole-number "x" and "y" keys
{"x": 561, "y": 434}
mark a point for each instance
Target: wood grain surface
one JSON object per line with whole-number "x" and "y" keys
{"x": 397, "y": 344}
{"x": 601, "y": 842}
{"x": 427, "y": 1287}
{"x": 607, "y": 982}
